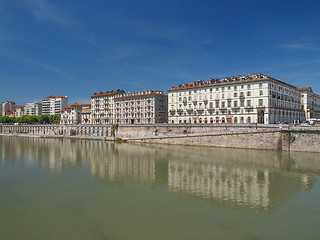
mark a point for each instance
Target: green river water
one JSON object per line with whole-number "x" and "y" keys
{"x": 73, "y": 189}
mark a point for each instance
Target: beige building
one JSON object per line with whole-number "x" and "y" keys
{"x": 102, "y": 107}
{"x": 145, "y": 107}
{"x": 73, "y": 113}
{"x": 310, "y": 103}
{"x": 255, "y": 98}
{"x": 53, "y": 105}
{"x": 33, "y": 109}
{"x": 86, "y": 114}
{"x": 7, "y": 108}
{"x": 19, "y": 111}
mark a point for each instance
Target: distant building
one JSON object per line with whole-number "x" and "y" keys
{"x": 102, "y": 107}
{"x": 144, "y": 107}
{"x": 310, "y": 103}
{"x": 19, "y": 111}
{"x": 6, "y": 108}
{"x": 53, "y": 105}
{"x": 86, "y": 114}
{"x": 10, "y": 114}
{"x": 73, "y": 113}
{"x": 34, "y": 109}
{"x": 255, "y": 98}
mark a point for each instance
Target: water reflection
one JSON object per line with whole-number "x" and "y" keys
{"x": 244, "y": 179}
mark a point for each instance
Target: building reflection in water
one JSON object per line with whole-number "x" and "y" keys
{"x": 245, "y": 179}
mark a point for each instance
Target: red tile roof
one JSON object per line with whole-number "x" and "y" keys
{"x": 305, "y": 89}
{"x": 19, "y": 106}
{"x": 59, "y": 96}
{"x": 238, "y": 79}
{"x": 112, "y": 92}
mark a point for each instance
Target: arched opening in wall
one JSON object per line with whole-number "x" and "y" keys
{"x": 217, "y": 119}
{"x": 156, "y": 132}
{"x": 223, "y": 120}
{"x": 132, "y": 121}
{"x": 184, "y": 121}
{"x": 200, "y": 120}
{"x": 185, "y": 132}
{"x": 195, "y": 121}
{"x": 235, "y": 120}
{"x": 249, "y": 120}
{"x": 211, "y": 120}
{"x": 172, "y": 121}
{"x": 261, "y": 116}
{"x": 205, "y": 120}
{"x": 242, "y": 120}
{"x": 189, "y": 120}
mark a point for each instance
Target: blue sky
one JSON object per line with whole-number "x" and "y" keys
{"x": 77, "y": 47}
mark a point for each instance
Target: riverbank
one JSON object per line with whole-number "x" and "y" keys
{"x": 267, "y": 139}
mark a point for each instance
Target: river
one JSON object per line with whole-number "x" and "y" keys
{"x": 73, "y": 189}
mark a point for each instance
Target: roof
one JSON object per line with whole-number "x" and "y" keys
{"x": 59, "y": 96}
{"x": 10, "y": 112}
{"x": 112, "y": 92}
{"x": 309, "y": 89}
{"x": 19, "y": 106}
{"x": 224, "y": 81}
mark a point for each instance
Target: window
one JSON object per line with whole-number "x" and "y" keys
{"x": 260, "y": 102}
{"x": 235, "y": 103}
{"x": 217, "y": 103}
{"x": 249, "y": 103}
{"x": 248, "y": 93}
{"x": 235, "y": 94}
{"x": 261, "y": 92}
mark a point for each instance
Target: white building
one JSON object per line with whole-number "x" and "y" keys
{"x": 144, "y": 107}
{"x": 255, "y": 98}
{"x": 33, "y": 109}
{"x": 53, "y": 105}
{"x": 310, "y": 103}
{"x": 102, "y": 107}
{"x": 73, "y": 113}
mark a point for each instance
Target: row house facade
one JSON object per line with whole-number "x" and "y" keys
{"x": 53, "y": 105}
{"x": 19, "y": 111}
{"x": 102, "y": 107}
{"x": 255, "y": 98}
{"x": 310, "y": 103}
{"x": 33, "y": 108}
{"x": 73, "y": 113}
{"x": 144, "y": 107}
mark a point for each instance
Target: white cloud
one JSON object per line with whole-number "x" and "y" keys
{"x": 45, "y": 10}
{"x": 302, "y": 46}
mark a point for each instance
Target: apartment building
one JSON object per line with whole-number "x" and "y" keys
{"x": 6, "y": 108}
{"x": 102, "y": 107}
{"x": 53, "y": 105}
{"x": 73, "y": 113}
{"x": 86, "y": 114}
{"x": 255, "y": 98}
{"x": 33, "y": 109}
{"x": 310, "y": 103}
{"x": 19, "y": 111}
{"x": 144, "y": 107}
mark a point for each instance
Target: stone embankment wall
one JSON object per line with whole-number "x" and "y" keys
{"x": 249, "y": 136}
{"x": 281, "y": 140}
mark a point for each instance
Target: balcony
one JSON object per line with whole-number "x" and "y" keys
{"x": 223, "y": 108}
{"x": 235, "y": 108}
{"x": 172, "y": 110}
{"x": 249, "y": 107}
{"x": 179, "y": 110}
{"x": 190, "y": 110}
{"x": 261, "y": 106}
{"x": 210, "y": 109}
